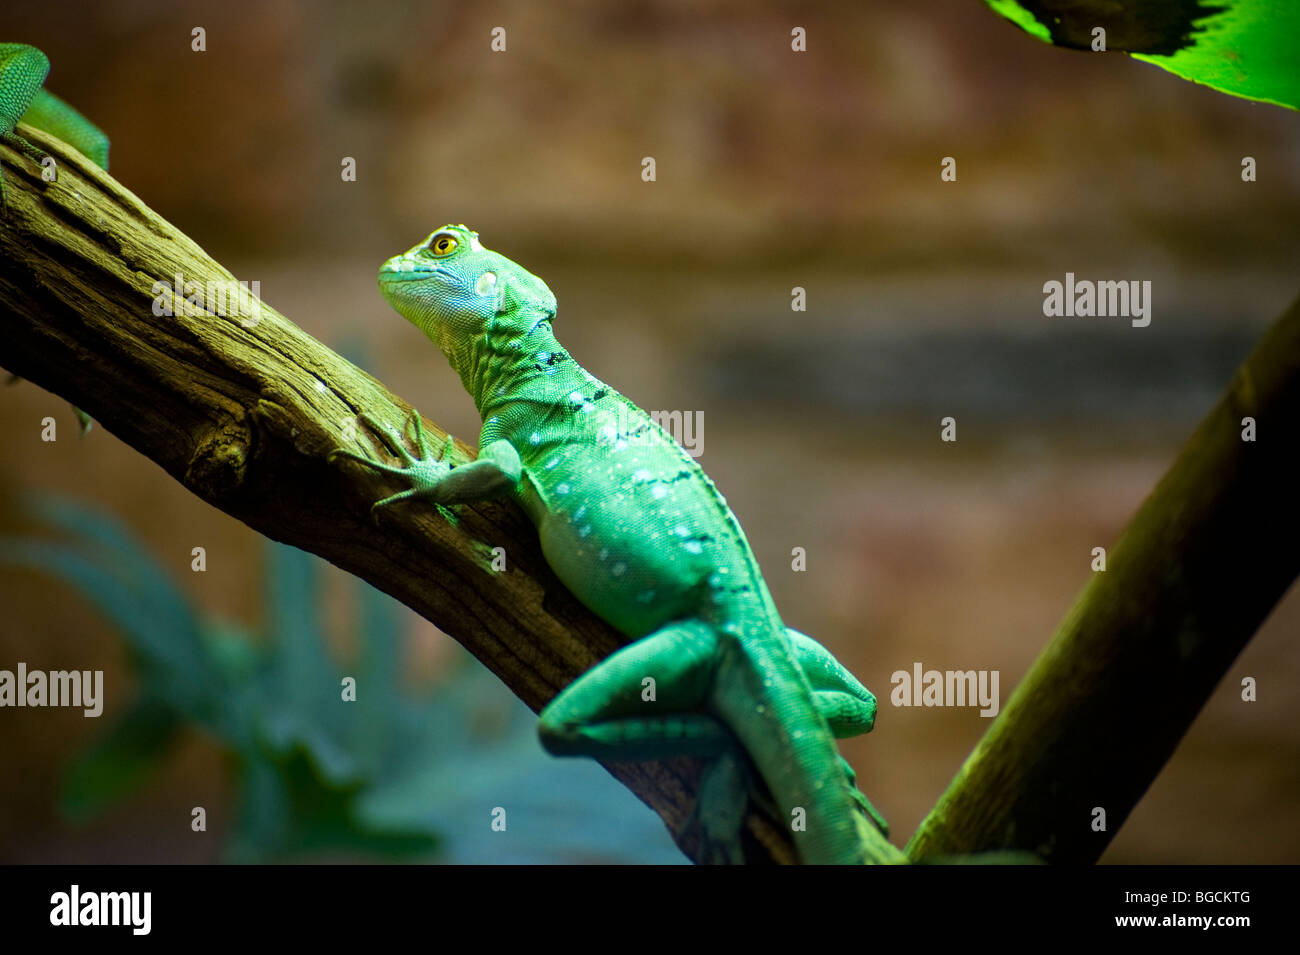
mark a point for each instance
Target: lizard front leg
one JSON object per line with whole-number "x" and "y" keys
{"x": 495, "y": 473}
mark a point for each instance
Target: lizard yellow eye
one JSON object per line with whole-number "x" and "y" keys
{"x": 443, "y": 245}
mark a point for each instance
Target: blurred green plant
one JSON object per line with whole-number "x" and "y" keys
{"x": 391, "y": 774}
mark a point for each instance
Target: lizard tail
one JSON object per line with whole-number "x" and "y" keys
{"x": 764, "y": 697}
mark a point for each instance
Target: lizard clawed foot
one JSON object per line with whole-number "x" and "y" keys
{"x": 424, "y": 472}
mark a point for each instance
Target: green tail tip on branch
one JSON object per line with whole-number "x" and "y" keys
{"x": 23, "y": 70}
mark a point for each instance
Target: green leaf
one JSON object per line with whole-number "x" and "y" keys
{"x": 1245, "y": 48}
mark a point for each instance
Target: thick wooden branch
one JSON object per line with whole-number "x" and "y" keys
{"x": 244, "y": 413}
{"x": 1206, "y": 557}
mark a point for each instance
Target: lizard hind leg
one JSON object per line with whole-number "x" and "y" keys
{"x": 612, "y": 713}
{"x": 638, "y": 703}
{"x": 643, "y": 703}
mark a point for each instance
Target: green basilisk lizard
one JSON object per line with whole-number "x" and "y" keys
{"x": 633, "y": 526}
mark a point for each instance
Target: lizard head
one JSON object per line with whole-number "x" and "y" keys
{"x": 457, "y": 292}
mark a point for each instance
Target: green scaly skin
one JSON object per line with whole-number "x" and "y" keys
{"x": 633, "y": 526}
{"x": 23, "y": 70}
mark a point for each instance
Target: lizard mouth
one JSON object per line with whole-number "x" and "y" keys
{"x": 395, "y": 270}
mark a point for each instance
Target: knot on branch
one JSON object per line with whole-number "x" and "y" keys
{"x": 219, "y": 463}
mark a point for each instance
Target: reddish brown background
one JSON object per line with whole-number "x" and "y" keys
{"x": 774, "y": 170}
